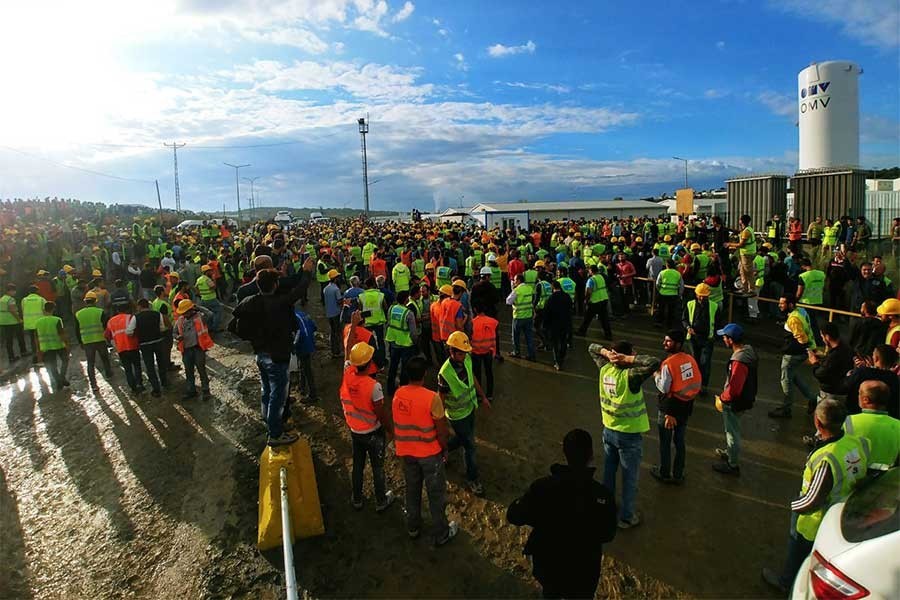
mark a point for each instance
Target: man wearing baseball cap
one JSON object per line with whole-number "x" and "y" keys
{"x": 738, "y": 395}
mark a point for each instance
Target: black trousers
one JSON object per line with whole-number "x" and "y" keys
{"x": 11, "y": 333}
{"x": 668, "y": 310}
{"x": 485, "y": 362}
{"x": 601, "y": 310}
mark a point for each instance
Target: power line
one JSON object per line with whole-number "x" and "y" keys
{"x": 73, "y": 167}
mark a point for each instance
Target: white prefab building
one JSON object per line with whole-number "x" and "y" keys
{"x": 520, "y": 214}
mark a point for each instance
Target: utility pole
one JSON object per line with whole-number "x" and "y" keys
{"x": 175, "y": 146}
{"x": 363, "y": 130}
{"x": 159, "y": 200}
{"x": 237, "y": 188}
{"x": 685, "y": 170}
{"x": 252, "y": 195}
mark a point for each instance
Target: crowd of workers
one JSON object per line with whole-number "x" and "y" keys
{"x": 402, "y": 298}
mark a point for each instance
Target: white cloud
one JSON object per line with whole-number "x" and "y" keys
{"x": 404, "y": 13}
{"x": 499, "y": 50}
{"x": 720, "y": 45}
{"x": 547, "y": 87}
{"x": 370, "y": 15}
{"x": 780, "y": 104}
{"x": 461, "y": 61}
{"x": 713, "y": 93}
{"x": 443, "y": 32}
{"x": 871, "y": 22}
{"x": 290, "y": 36}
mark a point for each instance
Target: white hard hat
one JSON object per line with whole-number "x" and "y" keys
{"x": 485, "y": 271}
{"x": 491, "y": 257}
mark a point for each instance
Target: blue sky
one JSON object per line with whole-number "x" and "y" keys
{"x": 488, "y": 101}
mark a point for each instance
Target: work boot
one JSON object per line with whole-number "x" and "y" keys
{"x": 284, "y": 439}
{"x": 774, "y": 579}
{"x": 388, "y": 500}
{"x": 659, "y": 476}
{"x": 722, "y": 453}
{"x": 634, "y": 521}
{"x": 452, "y": 530}
{"x": 726, "y": 469}
{"x": 780, "y": 413}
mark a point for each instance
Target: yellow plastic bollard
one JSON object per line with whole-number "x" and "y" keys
{"x": 303, "y": 493}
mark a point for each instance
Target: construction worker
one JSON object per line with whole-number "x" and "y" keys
{"x": 402, "y": 336}
{"x": 889, "y": 311}
{"x": 596, "y": 302}
{"x": 437, "y": 342}
{"x": 833, "y": 469}
{"x": 32, "y": 310}
{"x": 363, "y": 404}
{"x": 53, "y": 345}
{"x": 373, "y": 305}
{"x": 484, "y": 347}
{"x": 811, "y": 290}
{"x": 206, "y": 288}
{"x": 148, "y": 326}
{"x": 669, "y": 289}
{"x": 622, "y": 373}
{"x": 522, "y": 299}
{"x": 421, "y": 440}
{"x": 746, "y": 247}
{"x": 739, "y": 394}
{"x": 701, "y": 320}
{"x": 11, "y": 322}
{"x": 798, "y": 342}
{"x": 875, "y": 425}
{"x": 90, "y": 322}
{"x": 194, "y": 341}
{"x": 400, "y": 276}
{"x": 160, "y": 304}
{"x": 678, "y": 381}
{"x": 127, "y": 347}
{"x": 461, "y": 393}
{"x": 484, "y": 298}
{"x": 453, "y": 313}
{"x": 323, "y": 267}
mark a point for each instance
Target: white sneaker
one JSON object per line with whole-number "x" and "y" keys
{"x": 452, "y": 530}
{"x": 388, "y": 500}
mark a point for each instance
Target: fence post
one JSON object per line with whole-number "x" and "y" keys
{"x": 880, "y": 231}
{"x": 730, "y": 308}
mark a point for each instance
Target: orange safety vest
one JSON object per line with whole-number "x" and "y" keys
{"x": 414, "y": 431}
{"x": 795, "y": 232}
{"x": 45, "y": 290}
{"x": 484, "y": 335}
{"x": 203, "y": 338}
{"x": 115, "y": 330}
{"x": 379, "y": 267}
{"x": 178, "y": 298}
{"x": 449, "y": 309}
{"x": 434, "y": 310}
{"x": 686, "y": 380}
{"x": 356, "y": 400}
{"x": 362, "y": 334}
{"x": 406, "y": 258}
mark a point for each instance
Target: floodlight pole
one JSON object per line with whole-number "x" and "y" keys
{"x": 363, "y": 130}
{"x": 237, "y": 188}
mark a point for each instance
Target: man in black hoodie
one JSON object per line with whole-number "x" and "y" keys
{"x": 572, "y": 516}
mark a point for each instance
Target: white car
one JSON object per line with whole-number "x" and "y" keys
{"x": 857, "y": 549}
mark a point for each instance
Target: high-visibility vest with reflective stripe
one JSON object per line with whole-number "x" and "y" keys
{"x": 669, "y": 282}
{"x": 568, "y": 286}
{"x": 830, "y": 235}
{"x": 48, "y": 333}
{"x": 599, "y": 292}
{"x": 750, "y": 248}
{"x": 398, "y": 327}
{"x": 372, "y": 300}
{"x": 115, "y": 327}
{"x": 759, "y": 264}
{"x": 414, "y": 431}
{"x": 449, "y": 309}
{"x": 848, "y": 460}
{"x": 496, "y": 277}
{"x": 6, "y": 317}
{"x": 546, "y": 290}
{"x": 702, "y": 266}
{"x": 321, "y": 272}
{"x": 531, "y": 276}
{"x": 419, "y": 268}
{"x": 204, "y": 340}
{"x": 522, "y": 307}
{"x": 434, "y": 310}
{"x": 891, "y": 332}
{"x": 90, "y": 324}
{"x": 623, "y": 410}
{"x": 685, "y": 373}
{"x": 484, "y": 335}
{"x": 716, "y": 293}
{"x": 401, "y": 276}
{"x": 462, "y": 398}
{"x": 883, "y": 433}
{"x": 356, "y": 400}
{"x": 205, "y": 287}
{"x": 470, "y": 264}
{"x": 32, "y": 310}
{"x": 813, "y": 287}
{"x": 443, "y": 276}
{"x": 713, "y": 309}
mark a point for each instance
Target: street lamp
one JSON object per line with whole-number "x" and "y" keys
{"x": 252, "y": 196}
{"x": 237, "y": 187}
{"x": 685, "y": 170}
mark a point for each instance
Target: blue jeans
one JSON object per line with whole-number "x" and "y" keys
{"x": 524, "y": 327}
{"x": 702, "y": 350}
{"x": 465, "y": 436}
{"x": 790, "y": 377}
{"x": 666, "y": 437}
{"x": 625, "y": 449}
{"x": 732, "y": 421}
{"x": 399, "y": 356}
{"x": 274, "y": 378}
{"x": 430, "y": 471}
{"x": 216, "y": 307}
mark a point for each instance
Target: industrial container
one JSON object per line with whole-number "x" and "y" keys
{"x": 760, "y": 196}
{"x": 829, "y": 194}
{"x": 828, "y": 109}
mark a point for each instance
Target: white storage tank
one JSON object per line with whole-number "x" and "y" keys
{"x": 828, "y": 104}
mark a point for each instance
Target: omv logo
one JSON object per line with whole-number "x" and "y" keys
{"x": 815, "y": 89}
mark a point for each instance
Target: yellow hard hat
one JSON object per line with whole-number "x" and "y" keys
{"x": 205, "y": 268}
{"x": 460, "y": 341}
{"x": 90, "y": 296}
{"x": 460, "y": 283}
{"x": 702, "y": 290}
{"x": 183, "y": 306}
{"x": 539, "y": 263}
{"x": 96, "y": 273}
{"x": 891, "y": 306}
{"x": 695, "y": 247}
{"x": 361, "y": 353}
{"x": 42, "y": 272}
{"x": 333, "y": 273}
{"x": 668, "y": 238}
{"x": 68, "y": 268}
{"x": 446, "y": 289}
{"x": 639, "y": 239}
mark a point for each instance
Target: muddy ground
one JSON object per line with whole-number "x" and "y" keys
{"x": 112, "y": 496}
